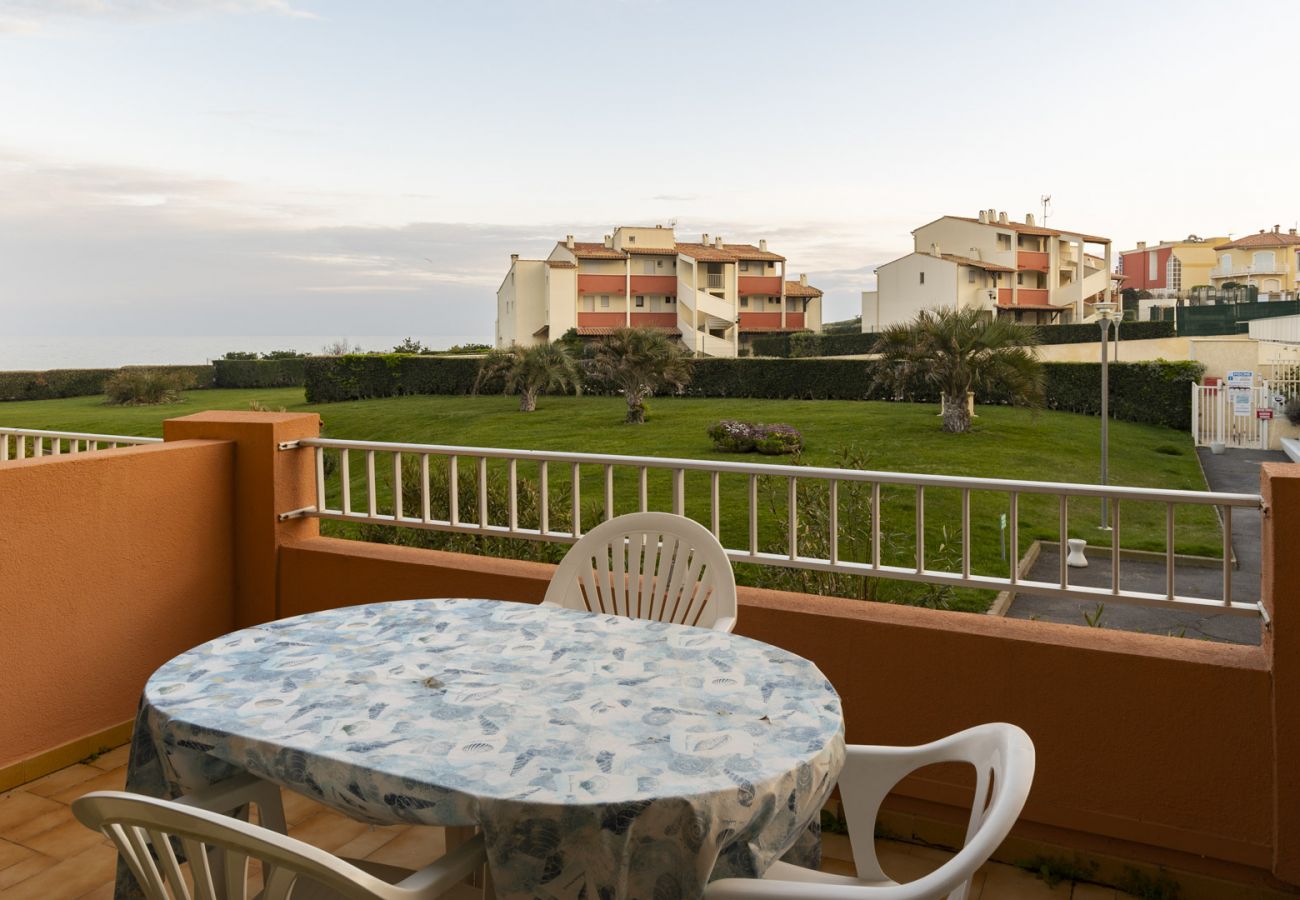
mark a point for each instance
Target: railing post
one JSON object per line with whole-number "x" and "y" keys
{"x": 1280, "y": 571}
{"x": 268, "y": 481}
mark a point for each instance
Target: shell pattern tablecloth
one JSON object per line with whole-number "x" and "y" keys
{"x": 601, "y": 756}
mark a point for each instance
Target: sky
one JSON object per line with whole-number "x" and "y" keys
{"x": 265, "y": 167}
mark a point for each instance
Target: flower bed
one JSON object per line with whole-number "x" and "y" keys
{"x": 732, "y": 436}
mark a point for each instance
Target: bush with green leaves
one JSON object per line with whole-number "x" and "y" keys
{"x": 529, "y": 372}
{"x": 56, "y": 384}
{"x": 638, "y": 363}
{"x": 280, "y": 371}
{"x": 145, "y": 387}
{"x": 731, "y": 436}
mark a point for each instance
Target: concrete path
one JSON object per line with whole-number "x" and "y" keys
{"x": 1236, "y": 471}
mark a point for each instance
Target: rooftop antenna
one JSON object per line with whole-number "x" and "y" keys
{"x": 1046, "y": 200}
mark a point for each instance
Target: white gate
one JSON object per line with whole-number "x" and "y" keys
{"x": 1227, "y": 415}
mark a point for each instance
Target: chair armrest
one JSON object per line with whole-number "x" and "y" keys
{"x": 442, "y": 874}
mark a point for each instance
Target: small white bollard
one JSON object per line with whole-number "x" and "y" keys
{"x": 1075, "y": 557}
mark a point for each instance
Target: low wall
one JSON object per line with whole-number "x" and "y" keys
{"x": 1112, "y": 714}
{"x": 111, "y": 563}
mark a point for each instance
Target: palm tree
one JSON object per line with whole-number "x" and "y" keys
{"x": 638, "y": 362}
{"x": 958, "y": 351}
{"x": 529, "y": 372}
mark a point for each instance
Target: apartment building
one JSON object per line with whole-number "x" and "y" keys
{"x": 713, "y": 295}
{"x": 1168, "y": 268}
{"x": 1268, "y": 260}
{"x": 1020, "y": 270}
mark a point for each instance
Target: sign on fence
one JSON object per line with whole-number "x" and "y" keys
{"x": 1263, "y": 414}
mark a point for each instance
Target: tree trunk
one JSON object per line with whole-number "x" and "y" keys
{"x": 956, "y": 415}
{"x": 527, "y": 401}
{"x": 635, "y": 409}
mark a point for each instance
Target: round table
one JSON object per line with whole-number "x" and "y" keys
{"x": 626, "y": 757}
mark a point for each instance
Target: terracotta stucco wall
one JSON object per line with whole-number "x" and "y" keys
{"x": 1115, "y": 716}
{"x": 111, "y": 563}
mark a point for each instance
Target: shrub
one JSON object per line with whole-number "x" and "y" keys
{"x": 239, "y": 355}
{"x": 55, "y": 384}
{"x": 1292, "y": 411}
{"x": 280, "y": 371}
{"x": 775, "y": 440}
{"x": 806, "y": 344}
{"x": 145, "y": 387}
{"x": 1156, "y": 393}
{"x": 731, "y": 436}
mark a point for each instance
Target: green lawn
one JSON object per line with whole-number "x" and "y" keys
{"x": 1007, "y": 443}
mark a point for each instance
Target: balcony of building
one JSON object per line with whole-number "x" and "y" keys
{"x": 1033, "y": 260}
{"x": 771, "y": 321}
{"x": 1173, "y": 757}
{"x": 760, "y": 284}
{"x": 602, "y": 284}
{"x": 654, "y": 284}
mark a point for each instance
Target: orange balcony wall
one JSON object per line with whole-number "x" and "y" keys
{"x": 601, "y": 319}
{"x": 1036, "y": 298}
{"x": 770, "y": 321}
{"x": 654, "y": 320}
{"x": 601, "y": 284}
{"x": 1032, "y": 260}
{"x": 760, "y": 284}
{"x": 651, "y": 284}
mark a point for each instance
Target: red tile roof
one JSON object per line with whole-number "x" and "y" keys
{"x": 1263, "y": 239}
{"x": 796, "y": 289}
{"x": 561, "y": 264}
{"x": 706, "y": 252}
{"x": 595, "y": 250}
{"x": 602, "y": 330}
{"x": 651, "y": 251}
{"x": 976, "y": 263}
{"x": 749, "y": 251}
{"x": 1023, "y": 228}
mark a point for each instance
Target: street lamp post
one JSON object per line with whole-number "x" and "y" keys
{"x": 1105, "y": 311}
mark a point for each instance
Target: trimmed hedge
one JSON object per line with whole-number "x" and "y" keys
{"x": 260, "y": 373}
{"x": 1155, "y": 393}
{"x": 805, "y": 344}
{"x": 55, "y": 384}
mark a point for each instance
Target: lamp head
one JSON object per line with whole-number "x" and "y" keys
{"x": 1104, "y": 310}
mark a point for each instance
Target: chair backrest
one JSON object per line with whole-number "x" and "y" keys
{"x": 1003, "y": 758}
{"x": 649, "y": 565}
{"x": 218, "y": 849}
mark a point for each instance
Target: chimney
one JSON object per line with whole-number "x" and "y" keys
{"x": 568, "y": 241}
{"x": 1029, "y": 218}
{"x": 717, "y": 242}
{"x": 704, "y": 239}
{"x": 609, "y": 241}
{"x": 514, "y": 258}
{"x": 803, "y": 279}
{"x": 984, "y": 217}
{"x": 1277, "y": 229}
{"x": 762, "y": 242}
{"x": 934, "y": 250}
{"x": 1142, "y": 245}
{"x": 992, "y": 215}
{"x": 1290, "y": 231}
{"x": 1002, "y": 218}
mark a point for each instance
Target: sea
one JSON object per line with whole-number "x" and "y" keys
{"x": 106, "y": 352}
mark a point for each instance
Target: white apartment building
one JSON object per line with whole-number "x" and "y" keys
{"x": 713, "y": 295}
{"x": 1021, "y": 270}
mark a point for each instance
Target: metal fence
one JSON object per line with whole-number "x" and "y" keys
{"x": 403, "y": 496}
{"x": 23, "y": 443}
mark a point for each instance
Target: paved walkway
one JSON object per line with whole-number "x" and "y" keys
{"x": 1236, "y": 471}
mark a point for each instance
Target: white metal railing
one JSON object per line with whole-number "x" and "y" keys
{"x": 367, "y": 508}
{"x": 23, "y": 443}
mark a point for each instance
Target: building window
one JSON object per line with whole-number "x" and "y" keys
{"x": 770, "y": 264}
{"x": 604, "y": 300}
{"x": 670, "y": 300}
{"x": 631, "y": 238}
{"x": 1004, "y": 242}
{"x": 1020, "y": 278}
{"x": 1225, "y": 264}
{"x": 659, "y": 263}
{"x": 1264, "y": 261}
{"x": 640, "y": 301}
{"x": 744, "y": 266}
{"x": 922, "y": 278}
{"x": 744, "y": 303}
{"x": 1174, "y": 273}
{"x": 970, "y": 276}
{"x": 1153, "y": 265}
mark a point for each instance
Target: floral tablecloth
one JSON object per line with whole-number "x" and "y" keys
{"x": 601, "y": 756}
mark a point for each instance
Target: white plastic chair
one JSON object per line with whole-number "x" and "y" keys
{"x": 218, "y": 848}
{"x": 1000, "y": 753}
{"x": 649, "y": 565}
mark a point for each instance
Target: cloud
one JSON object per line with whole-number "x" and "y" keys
{"x": 30, "y": 16}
